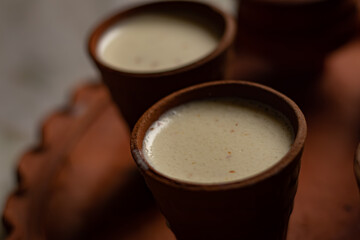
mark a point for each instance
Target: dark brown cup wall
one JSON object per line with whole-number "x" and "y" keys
{"x": 264, "y": 212}
{"x": 134, "y": 94}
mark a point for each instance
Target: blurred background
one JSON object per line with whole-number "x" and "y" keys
{"x": 42, "y": 59}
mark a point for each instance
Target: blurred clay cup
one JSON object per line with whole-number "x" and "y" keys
{"x": 284, "y": 43}
{"x": 135, "y": 90}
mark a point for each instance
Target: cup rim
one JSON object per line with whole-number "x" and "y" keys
{"x": 146, "y": 169}
{"x": 225, "y": 41}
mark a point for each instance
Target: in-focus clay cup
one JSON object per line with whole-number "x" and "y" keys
{"x": 257, "y": 206}
{"x": 146, "y": 52}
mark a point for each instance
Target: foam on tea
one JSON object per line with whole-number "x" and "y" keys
{"x": 155, "y": 42}
{"x": 217, "y": 140}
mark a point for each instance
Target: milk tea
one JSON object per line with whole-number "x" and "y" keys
{"x": 217, "y": 140}
{"x": 157, "y": 41}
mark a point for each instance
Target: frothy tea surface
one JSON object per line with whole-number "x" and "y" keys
{"x": 155, "y": 42}
{"x": 217, "y": 140}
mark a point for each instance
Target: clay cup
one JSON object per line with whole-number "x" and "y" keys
{"x": 133, "y": 92}
{"x": 257, "y": 207}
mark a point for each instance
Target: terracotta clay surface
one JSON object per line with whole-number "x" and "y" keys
{"x": 80, "y": 181}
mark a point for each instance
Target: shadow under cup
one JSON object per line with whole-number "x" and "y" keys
{"x": 258, "y": 207}
{"x": 134, "y": 92}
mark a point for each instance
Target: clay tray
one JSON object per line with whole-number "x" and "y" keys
{"x": 81, "y": 183}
